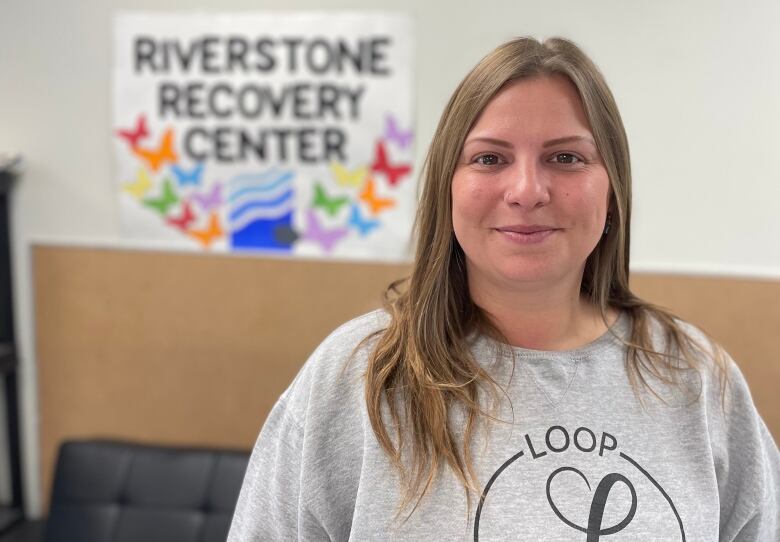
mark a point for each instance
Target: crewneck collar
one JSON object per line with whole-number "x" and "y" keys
{"x": 620, "y": 329}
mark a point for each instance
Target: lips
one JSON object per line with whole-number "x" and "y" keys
{"x": 525, "y": 229}
{"x": 526, "y": 235}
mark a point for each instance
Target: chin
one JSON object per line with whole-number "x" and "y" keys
{"x": 529, "y": 274}
{"x": 509, "y": 272}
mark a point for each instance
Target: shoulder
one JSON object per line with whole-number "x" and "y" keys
{"x": 703, "y": 352}
{"x": 345, "y": 350}
{"x": 724, "y": 389}
{"x": 347, "y": 337}
{"x": 689, "y": 366}
{"x": 305, "y": 468}
{"x": 332, "y": 377}
{"x": 745, "y": 456}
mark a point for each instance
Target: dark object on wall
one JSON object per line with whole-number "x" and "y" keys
{"x": 13, "y": 513}
{"x": 105, "y": 491}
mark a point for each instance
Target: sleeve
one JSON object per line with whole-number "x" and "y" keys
{"x": 747, "y": 467}
{"x": 270, "y": 506}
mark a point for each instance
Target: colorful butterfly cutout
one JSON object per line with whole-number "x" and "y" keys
{"x": 394, "y": 133}
{"x": 211, "y": 199}
{"x": 344, "y": 177}
{"x": 327, "y": 239}
{"x": 361, "y": 224}
{"x": 139, "y": 132}
{"x": 213, "y": 232}
{"x": 140, "y": 186}
{"x": 157, "y": 157}
{"x": 393, "y": 172}
{"x": 191, "y": 176}
{"x": 183, "y": 222}
{"x": 328, "y": 204}
{"x": 376, "y": 204}
{"x": 165, "y": 201}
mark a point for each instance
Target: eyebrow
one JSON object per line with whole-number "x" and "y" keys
{"x": 498, "y": 142}
{"x": 550, "y": 143}
{"x": 568, "y": 139}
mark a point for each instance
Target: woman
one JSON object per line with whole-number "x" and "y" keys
{"x": 514, "y": 387}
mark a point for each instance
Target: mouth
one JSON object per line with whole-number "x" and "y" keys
{"x": 525, "y": 229}
{"x": 526, "y": 234}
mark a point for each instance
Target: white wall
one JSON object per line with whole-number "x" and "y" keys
{"x": 698, "y": 84}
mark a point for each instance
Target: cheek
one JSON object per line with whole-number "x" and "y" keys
{"x": 585, "y": 205}
{"x": 595, "y": 194}
{"x": 470, "y": 199}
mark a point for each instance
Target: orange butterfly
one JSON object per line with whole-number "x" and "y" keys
{"x": 369, "y": 196}
{"x": 210, "y": 234}
{"x": 164, "y": 153}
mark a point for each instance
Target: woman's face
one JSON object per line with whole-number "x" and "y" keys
{"x": 529, "y": 193}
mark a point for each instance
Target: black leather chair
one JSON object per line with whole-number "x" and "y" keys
{"x": 108, "y": 491}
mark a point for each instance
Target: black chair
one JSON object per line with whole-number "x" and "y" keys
{"x": 108, "y": 491}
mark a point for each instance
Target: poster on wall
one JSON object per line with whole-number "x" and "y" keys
{"x": 285, "y": 134}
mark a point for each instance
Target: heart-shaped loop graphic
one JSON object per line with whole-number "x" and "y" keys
{"x": 594, "y": 530}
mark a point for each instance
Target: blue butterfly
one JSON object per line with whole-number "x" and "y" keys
{"x": 185, "y": 177}
{"x": 361, "y": 224}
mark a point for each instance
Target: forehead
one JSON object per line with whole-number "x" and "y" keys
{"x": 543, "y": 106}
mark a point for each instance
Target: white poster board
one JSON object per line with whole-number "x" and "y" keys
{"x": 279, "y": 133}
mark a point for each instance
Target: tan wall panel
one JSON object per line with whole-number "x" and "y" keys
{"x": 179, "y": 348}
{"x": 194, "y": 349}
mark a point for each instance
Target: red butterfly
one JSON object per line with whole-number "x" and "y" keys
{"x": 140, "y": 132}
{"x": 182, "y": 222}
{"x": 393, "y": 172}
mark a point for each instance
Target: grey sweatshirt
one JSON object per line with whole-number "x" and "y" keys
{"x": 575, "y": 457}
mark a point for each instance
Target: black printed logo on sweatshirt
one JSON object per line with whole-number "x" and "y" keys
{"x": 594, "y": 529}
{"x": 615, "y": 489}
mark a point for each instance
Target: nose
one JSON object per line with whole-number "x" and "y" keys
{"x": 526, "y": 187}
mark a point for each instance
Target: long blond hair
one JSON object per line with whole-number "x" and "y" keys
{"x": 421, "y": 364}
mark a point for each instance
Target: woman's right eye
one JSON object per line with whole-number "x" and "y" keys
{"x": 488, "y": 159}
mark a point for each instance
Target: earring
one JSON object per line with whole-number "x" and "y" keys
{"x": 608, "y": 224}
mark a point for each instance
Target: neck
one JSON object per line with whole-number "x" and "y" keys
{"x": 557, "y": 318}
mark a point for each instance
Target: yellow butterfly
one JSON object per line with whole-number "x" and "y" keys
{"x": 344, "y": 177}
{"x": 140, "y": 186}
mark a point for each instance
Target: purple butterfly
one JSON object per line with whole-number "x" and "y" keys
{"x": 211, "y": 199}
{"x": 394, "y": 133}
{"x": 326, "y": 238}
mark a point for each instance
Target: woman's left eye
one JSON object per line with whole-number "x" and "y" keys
{"x": 566, "y": 158}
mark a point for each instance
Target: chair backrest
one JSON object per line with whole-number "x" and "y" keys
{"x": 108, "y": 491}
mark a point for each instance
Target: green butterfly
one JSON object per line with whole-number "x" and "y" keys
{"x": 165, "y": 201}
{"x": 329, "y": 205}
